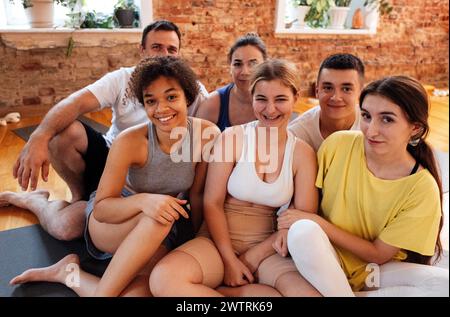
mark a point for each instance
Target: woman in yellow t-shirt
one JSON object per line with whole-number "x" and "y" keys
{"x": 381, "y": 202}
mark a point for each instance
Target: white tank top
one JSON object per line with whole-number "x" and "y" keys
{"x": 244, "y": 183}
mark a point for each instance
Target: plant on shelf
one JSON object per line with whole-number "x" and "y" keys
{"x": 317, "y": 16}
{"x": 298, "y": 3}
{"x": 29, "y": 3}
{"x": 40, "y": 13}
{"x": 126, "y": 13}
{"x": 383, "y": 6}
{"x": 338, "y": 14}
{"x": 343, "y": 3}
{"x": 94, "y": 20}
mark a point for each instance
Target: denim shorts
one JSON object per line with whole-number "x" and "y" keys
{"x": 181, "y": 231}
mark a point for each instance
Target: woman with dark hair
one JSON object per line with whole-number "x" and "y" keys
{"x": 381, "y": 202}
{"x": 136, "y": 216}
{"x": 232, "y": 104}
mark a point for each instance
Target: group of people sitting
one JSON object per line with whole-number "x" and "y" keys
{"x": 191, "y": 194}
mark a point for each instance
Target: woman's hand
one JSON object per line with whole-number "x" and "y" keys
{"x": 164, "y": 209}
{"x": 280, "y": 243}
{"x": 236, "y": 273}
{"x": 289, "y": 216}
{"x": 251, "y": 259}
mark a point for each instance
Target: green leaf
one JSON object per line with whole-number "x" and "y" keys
{"x": 70, "y": 47}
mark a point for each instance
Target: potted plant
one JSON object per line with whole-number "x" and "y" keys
{"x": 40, "y": 12}
{"x": 374, "y": 8}
{"x": 301, "y": 7}
{"x": 317, "y": 16}
{"x": 125, "y": 12}
{"x": 338, "y": 13}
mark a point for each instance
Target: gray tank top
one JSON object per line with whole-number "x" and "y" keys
{"x": 161, "y": 174}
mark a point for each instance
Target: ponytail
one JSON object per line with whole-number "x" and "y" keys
{"x": 412, "y": 98}
{"x": 423, "y": 154}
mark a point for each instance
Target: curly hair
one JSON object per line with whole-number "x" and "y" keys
{"x": 150, "y": 69}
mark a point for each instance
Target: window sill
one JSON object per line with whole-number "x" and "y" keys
{"x": 311, "y": 31}
{"x": 26, "y": 38}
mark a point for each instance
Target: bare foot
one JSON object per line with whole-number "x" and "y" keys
{"x": 54, "y": 273}
{"x": 23, "y": 200}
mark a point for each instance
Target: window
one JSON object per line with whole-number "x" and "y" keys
{"x": 288, "y": 21}
{"x": 13, "y": 14}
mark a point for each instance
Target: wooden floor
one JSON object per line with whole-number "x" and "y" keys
{"x": 10, "y": 146}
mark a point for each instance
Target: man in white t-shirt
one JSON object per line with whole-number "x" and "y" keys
{"x": 78, "y": 152}
{"x": 339, "y": 83}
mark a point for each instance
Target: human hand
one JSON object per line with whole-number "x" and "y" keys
{"x": 236, "y": 273}
{"x": 33, "y": 159}
{"x": 289, "y": 216}
{"x": 165, "y": 209}
{"x": 251, "y": 259}
{"x": 280, "y": 243}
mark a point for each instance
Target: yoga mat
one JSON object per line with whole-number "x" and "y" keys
{"x": 32, "y": 247}
{"x": 25, "y": 132}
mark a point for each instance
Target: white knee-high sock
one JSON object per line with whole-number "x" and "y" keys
{"x": 316, "y": 259}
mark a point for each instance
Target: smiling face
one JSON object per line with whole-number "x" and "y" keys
{"x": 338, "y": 91}
{"x": 165, "y": 103}
{"x": 243, "y": 60}
{"x": 273, "y": 102}
{"x": 161, "y": 43}
{"x": 385, "y": 126}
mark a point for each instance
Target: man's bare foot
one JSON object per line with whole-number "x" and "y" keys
{"x": 55, "y": 273}
{"x": 23, "y": 200}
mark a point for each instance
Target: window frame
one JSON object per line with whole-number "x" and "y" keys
{"x": 282, "y": 31}
{"x": 145, "y": 14}
{"x": 26, "y": 38}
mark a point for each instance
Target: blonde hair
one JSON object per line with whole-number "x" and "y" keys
{"x": 279, "y": 69}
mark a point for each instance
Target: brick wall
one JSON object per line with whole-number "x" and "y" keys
{"x": 412, "y": 40}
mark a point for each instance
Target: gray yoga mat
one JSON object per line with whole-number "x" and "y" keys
{"x": 25, "y": 132}
{"x": 32, "y": 247}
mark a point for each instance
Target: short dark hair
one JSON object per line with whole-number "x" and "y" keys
{"x": 160, "y": 25}
{"x": 150, "y": 69}
{"x": 252, "y": 39}
{"x": 344, "y": 62}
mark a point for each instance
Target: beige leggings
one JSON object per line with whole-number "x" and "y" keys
{"x": 247, "y": 226}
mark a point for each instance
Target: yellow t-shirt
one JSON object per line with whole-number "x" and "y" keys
{"x": 404, "y": 213}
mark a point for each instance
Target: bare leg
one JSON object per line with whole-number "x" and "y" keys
{"x": 292, "y": 284}
{"x": 179, "y": 274}
{"x": 66, "y": 150}
{"x": 67, "y": 272}
{"x": 60, "y": 219}
{"x": 138, "y": 287}
{"x": 83, "y": 285}
{"x": 250, "y": 290}
{"x": 133, "y": 244}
